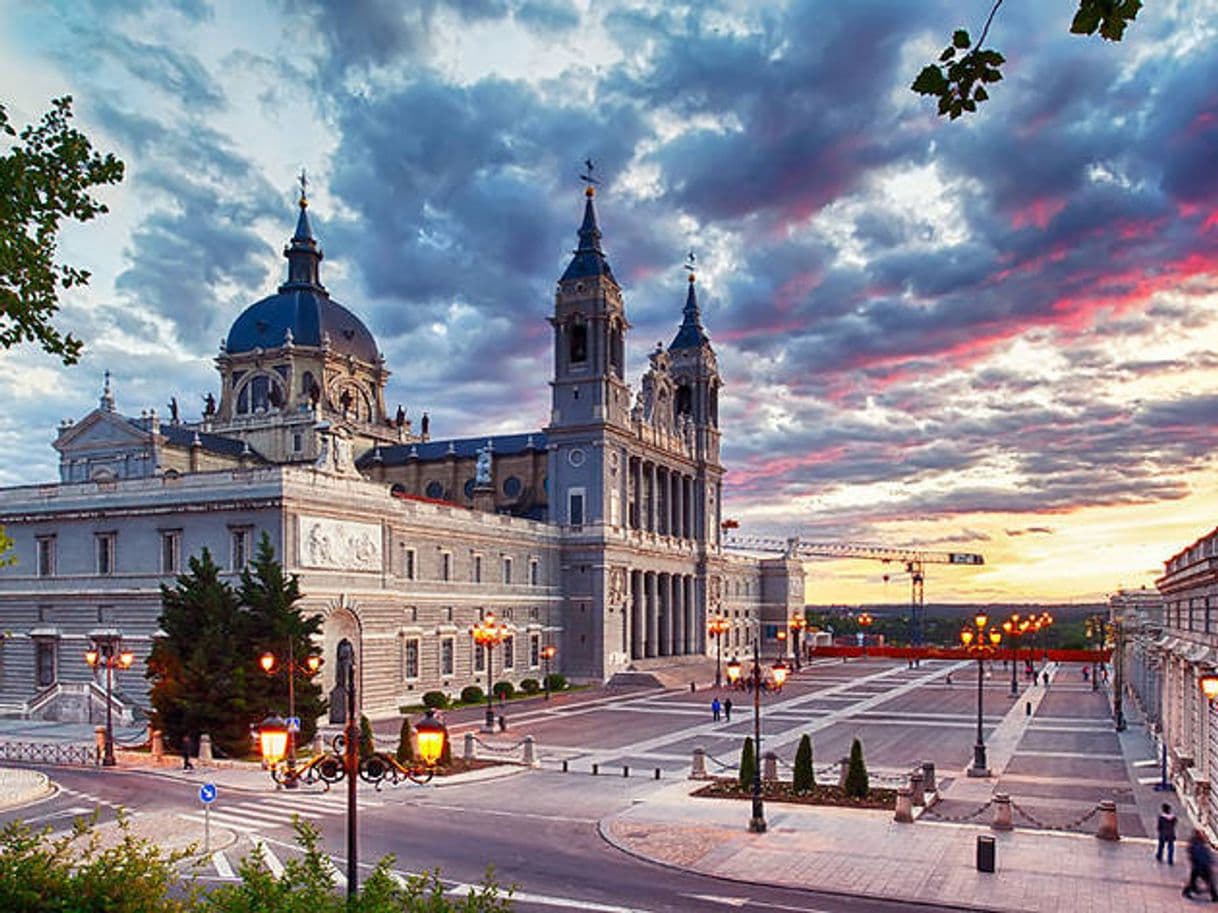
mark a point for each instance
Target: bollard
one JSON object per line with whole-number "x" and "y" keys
{"x": 158, "y": 745}
{"x": 843, "y": 767}
{"x": 319, "y": 743}
{"x": 205, "y": 755}
{"x": 625, "y": 770}
{"x": 530, "y": 753}
{"x": 904, "y": 812}
{"x": 917, "y": 795}
{"x": 564, "y": 765}
{"x": 1107, "y": 829}
{"x": 657, "y": 773}
{"x": 692, "y": 688}
{"x": 769, "y": 767}
{"x": 502, "y": 723}
{"x": 698, "y": 770}
{"x": 985, "y": 853}
{"x": 928, "y": 777}
{"x": 99, "y": 734}
{"x": 1028, "y": 708}
{"x": 469, "y": 746}
{"x": 1002, "y": 813}
{"x": 596, "y": 769}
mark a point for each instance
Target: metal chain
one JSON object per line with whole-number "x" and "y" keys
{"x": 1036, "y": 822}
{"x": 956, "y": 819}
{"x": 499, "y": 748}
{"x": 722, "y": 766}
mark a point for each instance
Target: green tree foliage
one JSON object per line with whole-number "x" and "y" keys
{"x": 405, "y": 752}
{"x": 748, "y": 762}
{"x": 270, "y": 599}
{"x": 857, "y": 782}
{"x": 472, "y": 694}
{"x": 201, "y": 670}
{"x": 503, "y": 689}
{"x": 45, "y": 177}
{"x": 965, "y": 68}
{"x": 367, "y": 743}
{"x": 803, "y": 779}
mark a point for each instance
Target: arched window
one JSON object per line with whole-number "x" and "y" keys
{"x": 685, "y": 400}
{"x": 306, "y": 383}
{"x": 714, "y": 406}
{"x": 577, "y": 330}
{"x": 616, "y": 349}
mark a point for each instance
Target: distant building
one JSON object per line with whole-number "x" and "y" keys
{"x": 1185, "y": 650}
{"x": 599, "y": 533}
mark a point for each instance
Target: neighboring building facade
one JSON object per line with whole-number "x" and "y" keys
{"x": 599, "y": 534}
{"x": 1185, "y": 650}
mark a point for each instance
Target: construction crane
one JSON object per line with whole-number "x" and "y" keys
{"x": 913, "y": 559}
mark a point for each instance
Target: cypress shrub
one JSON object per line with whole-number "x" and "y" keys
{"x": 804, "y": 778}
{"x": 366, "y": 744}
{"x": 857, "y": 784}
{"x": 748, "y": 762}
{"x": 405, "y": 752}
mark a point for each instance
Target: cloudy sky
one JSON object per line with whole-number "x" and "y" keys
{"x": 996, "y": 335}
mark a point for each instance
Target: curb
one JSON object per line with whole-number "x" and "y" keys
{"x": 36, "y": 788}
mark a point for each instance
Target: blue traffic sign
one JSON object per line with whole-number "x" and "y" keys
{"x": 293, "y": 723}
{"x": 207, "y": 793}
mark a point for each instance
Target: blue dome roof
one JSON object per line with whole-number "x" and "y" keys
{"x": 302, "y": 306}
{"x": 311, "y": 315}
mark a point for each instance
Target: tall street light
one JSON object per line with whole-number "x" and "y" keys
{"x": 1094, "y": 627}
{"x": 310, "y": 665}
{"x": 757, "y": 822}
{"x": 489, "y": 633}
{"x": 865, "y": 621}
{"x": 548, "y": 652}
{"x": 981, "y": 643}
{"x": 717, "y": 626}
{"x": 1013, "y": 627}
{"x": 107, "y": 652}
{"x": 797, "y": 625}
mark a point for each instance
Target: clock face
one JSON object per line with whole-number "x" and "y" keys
{"x": 576, "y": 457}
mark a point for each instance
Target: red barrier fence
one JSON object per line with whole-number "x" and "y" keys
{"x": 1057, "y": 656}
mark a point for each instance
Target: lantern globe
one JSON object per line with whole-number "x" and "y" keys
{"x": 273, "y": 739}
{"x": 267, "y": 662}
{"x": 430, "y": 733}
{"x": 733, "y": 670}
{"x": 91, "y": 657}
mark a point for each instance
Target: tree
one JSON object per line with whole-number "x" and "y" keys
{"x": 405, "y": 752}
{"x": 964, "y": 69}
{"x": 857, "y": 783}
{"x": 367, "y": 742}
{"x": 201, "y": 669}
{"x": 803, "y": 779}
{"x": 275, "y": 622}
{"x": 748, "y": 762}
{"x": 44, "y": 179}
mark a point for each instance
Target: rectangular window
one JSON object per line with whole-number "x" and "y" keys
{"x": 477, "y": 569}
{"x": 171, "y": 551}
{"x": 240, "y": 548}
{"x": 446, "y": 656}
{"x": 507, "y": 570}
{"x": 479, "y": 657}
{"x": 410, "y": 664}
{"x": 575, "y": 507}
{"x": 408, "y": 563}
{"x": 44, "y": 660}
{"x": 46, "y": 556}
{"x": 534, "y": 573}
{"x": 105, "y": 553}
{"x": 509, "y": 653}
{"x": 446, "y": 566}
{"x": 534, "y": 650}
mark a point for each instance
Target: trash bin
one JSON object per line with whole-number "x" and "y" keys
{"x": 985, "y": 853}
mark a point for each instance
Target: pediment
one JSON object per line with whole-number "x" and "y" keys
{"x": 101, "y": 430}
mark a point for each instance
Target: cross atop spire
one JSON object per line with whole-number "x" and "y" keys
{"x": 690, "y": 266}
{"x": 107, "y": 397}
{"x": 587, "y": 178}
{"x": 303, "y": 180}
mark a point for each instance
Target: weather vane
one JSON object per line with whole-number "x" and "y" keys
{"x": 304, "y": 185}
{"x": 586, "y": 177}
{"x": 691, "y": 263}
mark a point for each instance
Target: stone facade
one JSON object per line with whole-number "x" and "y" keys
{"x": 599, "y": 534}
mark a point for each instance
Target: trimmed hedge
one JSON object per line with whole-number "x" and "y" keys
{"x": 530, "y": 686}
{"x": 556, "y": 682}
{"x": 504, "y": 689}
{"x": 436, "y": 700}
{"x": 472, "y": 694}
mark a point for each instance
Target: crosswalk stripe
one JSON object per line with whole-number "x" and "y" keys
{"x": 220, "y": 861}
{"x": 274, "y": 866}
{"x": 340, "y": 880}
{"x": 218, "y": 818}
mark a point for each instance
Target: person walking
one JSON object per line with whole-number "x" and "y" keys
{"x": 1201, "y": 862}
{"x": 187, "y": 750}
{"x": 727, "y": 709}
{"x": 715, "y": 706}
{"x": 1167, "y": 835}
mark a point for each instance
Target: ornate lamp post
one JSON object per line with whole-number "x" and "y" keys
{"x": 1013, "y": 628}
{"x": 980, "y": 643}
{"x": 781, "y": 635}
{"x": 548, "y": 652}
{"x": 107, "y": 652}
{"x": 489, "y": 633}
{"x": 797, "y": 625}
{"x": 717, "y": 626}
{"x": 865, "y": 621}
{"x": 1094, "y": 628}
{"x": 757, "y": 823}
{"x": 344, "y": 762}
{"x": 309, "y": 667}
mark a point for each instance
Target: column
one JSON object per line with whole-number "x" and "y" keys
{"x": 666, "y": 639}
{"x": 636, "y": 615}
{"x": 680, "y": 646}
{"x": 650, "y": 640}
{"x": 674, "y": 524}
{"x": 662, "y": 501}
{"x": 654, "y": 500}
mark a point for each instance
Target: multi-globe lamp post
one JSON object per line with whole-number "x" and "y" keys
{"x": 757, "y": 822}
{"x": 1095, "y": 629}
{"x": 980, "y": 643}
{"x": 489, "y": 633}
{"x": 548, "y": 652}
{"x": 107, "y": 652}
{"x": 271, "y": 665}
{"x": 1013, "y": 627}
{"x": 717, "y": 626}
{"x": 865, "y": 622}
{"x": 797, "y": 625}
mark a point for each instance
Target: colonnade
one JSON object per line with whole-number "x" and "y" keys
{"x": 662, "y": 616}
{"x": 664, "y": 500}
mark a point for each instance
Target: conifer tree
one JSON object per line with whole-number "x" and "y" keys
{"x": 804, "y": 777}
{"x": 367, "y": 744}
{"x": 857, "y": 784}
{"x": 405, "y": 752}
{"x": 748, "y": 763}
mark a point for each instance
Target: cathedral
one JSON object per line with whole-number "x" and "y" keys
{"x": 598, "y": 535}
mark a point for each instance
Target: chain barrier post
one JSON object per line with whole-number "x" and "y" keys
{"x": 698, "y": 768}
{"x": 916, "y": 793}
{"x": 904, "y": 810}
{"x": 1107, "y": 829}
{"x": 769, "y": 770}
{"x": 469, "y": 746}
{"x": 1002, "y": 813}
{"x": 530, "y": 753}
{"x": 928, "y": 777}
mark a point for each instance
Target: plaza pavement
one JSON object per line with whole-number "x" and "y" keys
{"x": 867, "y": 853}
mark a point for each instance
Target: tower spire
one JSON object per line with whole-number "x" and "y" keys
{"x": 691, "y": 334}
{"x": 303, "y": 254}
{"x": 589, "y": 258}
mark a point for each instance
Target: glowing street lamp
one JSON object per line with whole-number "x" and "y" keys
{"x": 865, "y": 621}
{"x": 309, "y": 667}
{"x": 107, "y": 652}
{"x": 273, "y": 738}
{"x": 779, "y": 673}
{"x": 981, "y": 643}
{"x": 1209, "y": 685}
{"x": 797, "y": 625}
{"x": 548, "y": 652}
{"x": 717, "y": 626}
{"x": 1012, "y": 627}
{"x": 488, "y": 633}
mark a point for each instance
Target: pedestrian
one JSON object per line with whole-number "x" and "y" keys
{"x": 1201, "y": 861}
{"x": 1044, "y": 677}
{"x": 1084, "y": 673}
{"x": 727, "y": 709}
{"x": 715, "y": 705}
{"x": 948, "y": 678}
{"x": 187, "y": 750}
{"x": 1167, "y": 835}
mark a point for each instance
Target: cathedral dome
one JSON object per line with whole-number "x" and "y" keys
{"x": 302, "y": 311}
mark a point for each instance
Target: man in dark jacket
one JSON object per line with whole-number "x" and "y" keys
{"x": 1167, "y": 835}
{"x": 1201, "y": 860}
